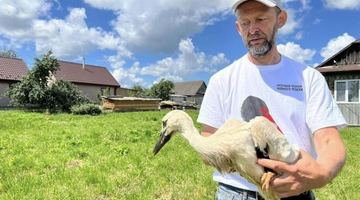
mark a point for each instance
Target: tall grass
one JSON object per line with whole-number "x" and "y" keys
{"x": 110, "y": 157}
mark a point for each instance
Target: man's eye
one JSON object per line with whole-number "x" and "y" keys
{"x": 244, "y": 23}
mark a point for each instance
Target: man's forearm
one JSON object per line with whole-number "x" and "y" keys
{"x": 331, "y": 152}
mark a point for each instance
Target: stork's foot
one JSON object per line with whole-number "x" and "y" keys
{"x": 265, "y": 180}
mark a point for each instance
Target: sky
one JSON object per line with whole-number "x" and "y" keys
{"x": 141, "y": 42}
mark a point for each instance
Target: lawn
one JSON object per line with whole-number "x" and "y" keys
{"x": 110, "y": 157}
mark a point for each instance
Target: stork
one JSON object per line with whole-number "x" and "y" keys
{"x": 234, "y": 147}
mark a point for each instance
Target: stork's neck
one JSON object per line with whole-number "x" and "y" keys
{"x": 191, "y": 134}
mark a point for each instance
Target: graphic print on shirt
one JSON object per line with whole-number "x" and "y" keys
{"x": 253, "y": 107}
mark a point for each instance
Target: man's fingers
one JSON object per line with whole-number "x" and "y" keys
{"x": 277, "y": 166}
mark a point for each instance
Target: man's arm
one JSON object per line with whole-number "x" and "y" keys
{"x": 207, "y": 130}
{"x": 308, "y": 173}
{"x": 331, "y": 151}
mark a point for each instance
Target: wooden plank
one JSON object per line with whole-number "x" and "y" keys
{"x": 351, "y": 113}
{"x": 122, "y": 104}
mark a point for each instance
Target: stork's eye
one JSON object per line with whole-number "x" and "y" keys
{"x": 164, "y": 123}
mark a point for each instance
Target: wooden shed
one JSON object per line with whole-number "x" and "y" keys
{"x": 342, "y": 73}
{"x": 188, "y": 93}
{"x": 129, "y": 103}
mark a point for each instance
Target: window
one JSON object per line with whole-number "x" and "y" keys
{"x": 347, "y": 91}
{"x": 340, "y": 89}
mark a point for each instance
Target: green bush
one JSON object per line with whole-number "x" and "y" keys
{"x": 64, "y": 94}
{"x": 86, "y": 109}
{"x": 39, "y": 90}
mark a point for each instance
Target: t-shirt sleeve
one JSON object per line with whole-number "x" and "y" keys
{"x": 211, "y": 111}
{"x": 322, "y": 110}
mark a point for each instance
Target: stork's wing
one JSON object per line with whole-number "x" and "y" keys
{"x": 267, "y": 135}
{"x": 232, "y": 126}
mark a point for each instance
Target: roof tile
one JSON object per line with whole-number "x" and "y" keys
{"x": 12, "y": 69}
{"x": 187, "y": 88}
{"x": 90, "y": 74}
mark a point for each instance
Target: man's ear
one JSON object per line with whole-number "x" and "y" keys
{"x": 282, "y": 18}
{"x": 237, "y": 24}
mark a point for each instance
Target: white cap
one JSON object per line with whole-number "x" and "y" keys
{"x": 269, "y": 3}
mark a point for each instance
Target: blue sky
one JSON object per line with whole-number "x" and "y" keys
{"x": 141, "y": 42}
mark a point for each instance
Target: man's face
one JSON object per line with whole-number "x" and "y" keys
{"x": 257, "y": 24}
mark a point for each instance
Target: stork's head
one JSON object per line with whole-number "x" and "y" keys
{"x": 173, "y": 122}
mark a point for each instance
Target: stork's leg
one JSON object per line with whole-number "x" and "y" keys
{"x": 265, "y": 180}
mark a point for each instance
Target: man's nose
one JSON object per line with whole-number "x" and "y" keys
{"x": 254, "y": 27}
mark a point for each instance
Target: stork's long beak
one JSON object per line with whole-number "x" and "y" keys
{"x": 162, "y": 141}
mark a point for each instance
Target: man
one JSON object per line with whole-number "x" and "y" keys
{"x": 295, "y": 97}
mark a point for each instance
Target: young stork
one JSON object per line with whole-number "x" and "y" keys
{"x": 235, "y": 146}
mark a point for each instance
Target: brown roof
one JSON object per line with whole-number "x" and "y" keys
{"x": 187, "y": 88}
{"x": 12, "y": 69}
{"x": 339, "y": 68}
{"x": 330, "y": 60}
{"x": 91, "y": 74}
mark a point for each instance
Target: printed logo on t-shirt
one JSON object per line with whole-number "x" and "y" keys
{"x": 288, "y": 87}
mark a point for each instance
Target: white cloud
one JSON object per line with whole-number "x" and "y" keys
{"x": 186, "y": 63}
{"x": 343, "y": 4}
{"x": 72, "y": 37}
{"x": 127, "y": 77}
{"x": 336, "y": 44}
{"x": 16, "y": 17}
{"x": 299, "y": 35}
{"x": 293, "y": 23}
{"x": 301, "y": 4}
{"x": 157, "y": 25}
{"x": 296, "y": 52}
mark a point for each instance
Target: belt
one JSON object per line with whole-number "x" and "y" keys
{"x": 308, "y": 195}
{"x": 249, "y": 193}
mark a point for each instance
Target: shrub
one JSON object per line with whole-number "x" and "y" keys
{"x": 39, "y": 90}
{"x": 64, "y": 94}
{"x": 86, "y": 109}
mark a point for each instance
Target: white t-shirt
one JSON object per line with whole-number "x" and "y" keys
{"x": 290, "y": 94}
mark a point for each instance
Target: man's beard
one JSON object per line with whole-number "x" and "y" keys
{"x": 264, "y": 48}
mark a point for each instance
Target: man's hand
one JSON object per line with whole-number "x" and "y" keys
{"x": 294, "y": 179}
{"x": 308, "y": 173}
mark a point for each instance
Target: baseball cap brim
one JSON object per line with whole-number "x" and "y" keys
{"x": 265, "y": 2}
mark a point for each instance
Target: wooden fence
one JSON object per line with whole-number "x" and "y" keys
{"x": 351, "y": 113}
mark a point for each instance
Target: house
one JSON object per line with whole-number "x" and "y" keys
{"x": 188, "y": 92}
{"x": 11, "y": 71}
{"x": 93, "y": 81}
{"x": 342, "y": 73}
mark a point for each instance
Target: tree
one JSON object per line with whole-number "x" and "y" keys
{"x": 162, "y": 89}
{"x": 139, "y": 91}
{"x": 40, "y": 90}
{"x": 8, "y": 54}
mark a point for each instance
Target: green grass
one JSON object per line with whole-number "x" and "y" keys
{"x": 110, "y": 157}
{"x": 346, "y": 185}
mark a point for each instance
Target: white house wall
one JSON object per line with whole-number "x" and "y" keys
{"x": 93, "y": 92}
